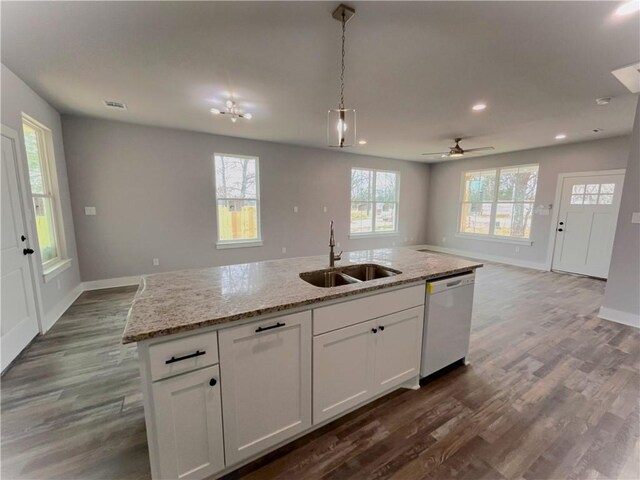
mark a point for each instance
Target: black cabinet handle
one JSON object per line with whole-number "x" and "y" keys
{"x": 27, "y": 251}
{"x": 374, "y": 330}
{"x": 213, "y": 382}
{"x": 262, "y": 329}
{"x": 381, "y": 327}
{"x": 179, "y": 359}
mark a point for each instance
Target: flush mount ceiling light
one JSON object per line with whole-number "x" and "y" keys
{"x": 232, "y": 111}
{"x": 341, "y": 121}
{"x": 628, "y": 8}
{"x": 561, "y": 136}
{"x": 479, "y": 107}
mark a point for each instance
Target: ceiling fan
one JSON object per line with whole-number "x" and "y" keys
{"x": 456, "y": 151}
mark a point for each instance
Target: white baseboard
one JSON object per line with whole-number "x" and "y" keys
{"x": 619, "y": 316}
{"x": 110, "y": 283}
{"x": 487, "y": 257}
{"x": 53, "y": 315}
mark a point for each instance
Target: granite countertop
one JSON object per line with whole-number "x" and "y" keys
{"x": 173, "y": 302}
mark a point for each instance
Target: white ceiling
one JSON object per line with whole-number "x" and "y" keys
{"x": 414, "y": 69}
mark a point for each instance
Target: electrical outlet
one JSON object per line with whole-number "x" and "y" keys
{"x": 338, "y": 244}
{"x": 156, "y": 262}
{"x": 444, "y": 239}
{"x": 89, "y": 210}
{"x": 284, "y": 249}
{"x": 517, "y": 249}
{"x": 295, "y": 209}
{"x": 324, "y": 209}
{"x": 58, "y": 284}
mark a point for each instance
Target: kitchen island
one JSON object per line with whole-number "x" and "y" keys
{"x": 238, "y": 360}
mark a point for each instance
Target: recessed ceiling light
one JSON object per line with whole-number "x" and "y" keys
{"x": 479, "y": 106}
{"x": 561, "y": 136}
{"x": 362, "y": 142}
{"x": 628, "y": 7}
{"x": 603, "y": 100}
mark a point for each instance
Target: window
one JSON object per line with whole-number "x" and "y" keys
{"x": 499, "y": 202}
{"x": 237, "y": 200}
{"x": 374, "y": 201}
{"x": 44, "y": 193}
{"x": 593, "y": 194}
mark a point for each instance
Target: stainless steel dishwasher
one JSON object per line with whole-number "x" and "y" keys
{"x": 447, "y": 322}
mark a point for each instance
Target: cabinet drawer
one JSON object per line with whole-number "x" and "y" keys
{"x": 332, "y": 317}
{"x": 183, "y": 355}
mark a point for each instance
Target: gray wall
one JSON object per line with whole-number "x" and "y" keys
{"x": 623, "y": 285}
{"x": 444, "y": 193}
{"x": 17, "y": 97}
{"x": 153, "y": 190}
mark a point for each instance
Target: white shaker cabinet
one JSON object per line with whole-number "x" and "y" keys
{"x": 342, "y": 370}
{"x": 266, "y": 393}
{"x": 398, "y": 348}
{"x": 188, "y": 422}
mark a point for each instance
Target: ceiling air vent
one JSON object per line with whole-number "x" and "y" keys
{"x": 629, "y": 76}
{"x": 116, "y": 105}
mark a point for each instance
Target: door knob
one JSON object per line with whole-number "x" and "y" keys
{"x": 23, "y": 238}
{"x": 213, "y": 382}
{"x": 374, "y": 330}
{"x": 381, "y": 328}
{"x": 561, "y": 223}
{"x": 27, "y": 251}
{"x": 560, "y": 230}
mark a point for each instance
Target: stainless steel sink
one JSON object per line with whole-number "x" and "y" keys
{"x": 369, "y": 271}
{"x": 334, "y": 277}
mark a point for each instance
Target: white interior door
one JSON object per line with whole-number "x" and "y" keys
{"x": 586, "y": 224}
{"x": 18, "y": 322}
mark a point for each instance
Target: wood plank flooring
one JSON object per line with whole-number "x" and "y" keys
{"x": 551, "y": 393}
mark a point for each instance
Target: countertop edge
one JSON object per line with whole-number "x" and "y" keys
{"x": 127, "y": 339}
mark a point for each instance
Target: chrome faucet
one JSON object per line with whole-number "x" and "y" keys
{"x": 332, "y": 243}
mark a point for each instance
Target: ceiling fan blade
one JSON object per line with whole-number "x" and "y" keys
{"x": 435, "y": 153}
{"x": 478, "y": 149}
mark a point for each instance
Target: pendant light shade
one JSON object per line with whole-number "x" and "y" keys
{"x": 341, "y": 127}
{"x": 341, "y": 121}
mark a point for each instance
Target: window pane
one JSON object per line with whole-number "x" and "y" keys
{"x": 361, "y": 217}
{"x": 590, "y": 199}
{"x": 32, "y": 147}
{"x": 479, "y": 186}
{"x": 237, "y": 220}
{"x": 385, "y": 217}
{"x": 607, "y": 187}
{"x": 605, "y": 200}
{"x": 476, "y": 218}
{"x": 386, "y": 187}
{"x": 361, "y": 185}
{"x": 576, "y": 199}
{"x": 235, "y": 177}
{"x": 592, "y": 188}
{"x": 513, "y": 220}
{"x": 577, "y": 189}
{"x": 518, "y": 184}
{"x": 45, "y": 228}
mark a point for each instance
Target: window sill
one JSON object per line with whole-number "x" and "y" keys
{"x": 488, "y": 238}
{"x": 53, "y": 271}
{"x": 252, "y": 243}
{"x": 354, "y": 236}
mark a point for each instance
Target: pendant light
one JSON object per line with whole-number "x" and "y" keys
{"x": 341, "y": 121}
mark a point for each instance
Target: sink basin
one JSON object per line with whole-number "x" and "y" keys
{"x": 369, "y": 271}
{"x": 327, "y": 278}
{"x": 334, "y": 277}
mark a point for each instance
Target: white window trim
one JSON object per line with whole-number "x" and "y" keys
{"x": 252, "y": 242}
{"x": 494, "y": 204}
{"x": 62, "y": 262}
{"x": 386, "y": 233}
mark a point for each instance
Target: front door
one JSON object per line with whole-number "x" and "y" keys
{"x": 587, "y": 223}
{"x": 18, "y": 323}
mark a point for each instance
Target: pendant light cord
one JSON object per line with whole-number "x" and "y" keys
{"x": 344, "y": 22}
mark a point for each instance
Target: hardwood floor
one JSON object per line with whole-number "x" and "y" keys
{"x": 551, "y": 392}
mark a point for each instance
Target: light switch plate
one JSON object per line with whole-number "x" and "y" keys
{"x": 635, "y": 217}
{"x": 89, "y": 210}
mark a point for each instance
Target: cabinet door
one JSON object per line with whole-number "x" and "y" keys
{"x": 266, "y": 371}
{"x": 398, "y": 345}
{"x": 188, "y": 418}
{"x": 342, "y": 370}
